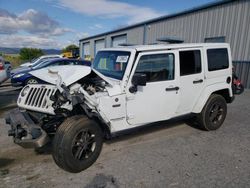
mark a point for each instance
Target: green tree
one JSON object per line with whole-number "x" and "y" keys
{"x": 69, "y": 48}
{"x": 30, "y": 53}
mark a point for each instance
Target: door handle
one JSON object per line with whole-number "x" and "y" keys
{"x": 197, "y": 81}
{"x": 172, "y": 88}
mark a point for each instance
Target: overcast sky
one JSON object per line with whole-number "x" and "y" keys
{"x": 57, "y": 23}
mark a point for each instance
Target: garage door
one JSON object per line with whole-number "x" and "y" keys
{"x": 99, "y": 44}
{"x": 122, "y": 39}
{"x": 86, "y": 50}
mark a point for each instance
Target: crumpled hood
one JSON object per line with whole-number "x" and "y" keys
{"x": 68, "y": 73}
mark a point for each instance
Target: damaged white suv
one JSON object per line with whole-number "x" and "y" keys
{"x": 125, "y": 88}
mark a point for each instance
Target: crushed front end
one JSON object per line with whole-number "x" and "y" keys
{"x": 43, "y": 107}
{"x": 34, "y": 121}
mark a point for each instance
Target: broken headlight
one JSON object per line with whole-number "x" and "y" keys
{"x": 25, "y": 91}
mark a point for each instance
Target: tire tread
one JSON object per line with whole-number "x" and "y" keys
{"x": 201, "y": 117}
{"x": 58, "y": 152}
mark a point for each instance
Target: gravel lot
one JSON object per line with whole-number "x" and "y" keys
{"x": 169, "y": 154}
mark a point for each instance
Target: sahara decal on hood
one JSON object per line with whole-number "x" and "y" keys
{"x": 68, "y": 73}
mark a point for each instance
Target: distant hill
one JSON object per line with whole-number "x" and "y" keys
{"x": 51, "y": 51}
{"x": 9, "y": 50}
{"x": 16, "y": 51}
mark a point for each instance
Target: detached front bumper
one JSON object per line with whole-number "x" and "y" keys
{"x": 24, "y": 131}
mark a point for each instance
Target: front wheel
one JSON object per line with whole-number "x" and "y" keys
{"x": 213, "y": 113}
{"x": 77, "y": 144}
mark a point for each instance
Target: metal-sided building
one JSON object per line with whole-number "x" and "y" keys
{"x": 223, "y": 21}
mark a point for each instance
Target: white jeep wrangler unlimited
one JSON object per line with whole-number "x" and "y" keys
{"x": 125, "y": 88}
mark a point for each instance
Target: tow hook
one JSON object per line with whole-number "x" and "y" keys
{"x": 19, "y": 132}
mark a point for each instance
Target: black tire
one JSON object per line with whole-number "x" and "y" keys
{"x": 213, "y": 113}
{"x": 69, "y": 150}
{"x": 31, "y": 81}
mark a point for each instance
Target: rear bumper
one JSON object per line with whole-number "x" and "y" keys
{"x": 232, "y": 99}
{"x": 24, "y": 131}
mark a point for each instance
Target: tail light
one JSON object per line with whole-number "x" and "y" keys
{"x": 1, "y": 66}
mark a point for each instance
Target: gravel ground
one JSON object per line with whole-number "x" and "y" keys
{"x": 168, "y": 154}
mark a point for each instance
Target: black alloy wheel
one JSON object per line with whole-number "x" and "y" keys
{"x": 84, "y": 145}
{"x": 213, "y": 113}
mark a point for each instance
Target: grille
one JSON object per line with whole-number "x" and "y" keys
{"x": 38, "y": 98}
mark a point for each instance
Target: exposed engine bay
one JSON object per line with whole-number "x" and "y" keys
{"x": 92, "y": 84}
{"x": 82, "y": 93}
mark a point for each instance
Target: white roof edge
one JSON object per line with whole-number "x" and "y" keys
{"x": 166, "y": 46}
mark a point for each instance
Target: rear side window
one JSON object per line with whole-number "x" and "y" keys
{"x": 56, "y": 63}
{"x": 217, "y": 59}
{"x": 190, "y": 62}
{"x": 157, "y": 67}
{"x": 71, "y": 63}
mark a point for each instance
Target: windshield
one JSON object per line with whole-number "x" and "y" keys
{"x": 111, "y": 63}
{"x": 39, "y": 61}
{"x": 34, "y": 60}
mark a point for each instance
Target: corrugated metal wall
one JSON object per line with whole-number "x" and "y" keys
{"x": 231, "y": 20}
{"x": 134, "y": 36}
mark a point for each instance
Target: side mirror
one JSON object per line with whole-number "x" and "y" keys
{"x": 139, "y": 79}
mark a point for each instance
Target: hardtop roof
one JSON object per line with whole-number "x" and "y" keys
{"x": 168, "y": 46}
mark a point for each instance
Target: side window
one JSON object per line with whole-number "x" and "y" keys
{"x": 63, "y": 63}
{"x": 70, "y": 62}
{"x": 76, "y": 63}
{"x": 190, "y": 62}
{"x": 217, "y": 59}
{"x": 157, "y": 67}
{"x": 56, "y": 63}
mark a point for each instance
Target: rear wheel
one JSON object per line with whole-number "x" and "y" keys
{"x": 77, "y": 144}
{"x": 213, "y": 113}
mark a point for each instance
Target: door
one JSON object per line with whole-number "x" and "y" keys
{"x": 192, "y": 78}
{"x": 99, "y": 44}
{"x": 85, "y": 50}
{"x": 117, "y": 40}
{"x": 159, "y": 99}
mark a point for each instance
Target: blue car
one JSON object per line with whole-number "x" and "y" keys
{"x": 21, "y": 76}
